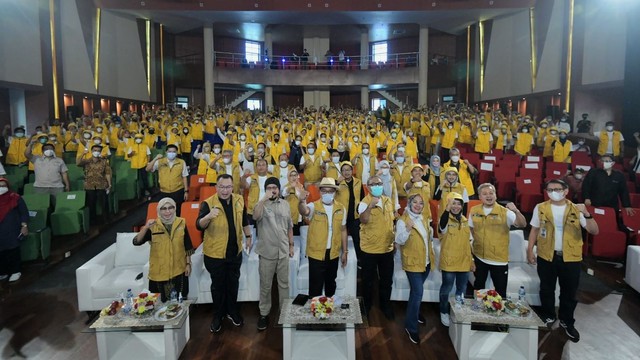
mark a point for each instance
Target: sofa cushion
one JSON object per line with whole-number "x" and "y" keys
{"x": 129, "y": 255}
{"x": 117, "y": 281}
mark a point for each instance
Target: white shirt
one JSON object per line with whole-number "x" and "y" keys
{"x": 366, "y": 168}
{"x": 329, "y": 210}
{"x": 511, "y": 218}
{"x": 558, "y": 223}
{"x": 610, "y": 142}
{"x": 402, "y": 235}
{"x": 284, "y": 177}
{"x": 261, "y": 180}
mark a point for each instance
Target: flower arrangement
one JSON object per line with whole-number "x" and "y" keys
{"x": 144, "y": 303}
{"x": 492, "y": 302}
{"x": 321, "y": 307}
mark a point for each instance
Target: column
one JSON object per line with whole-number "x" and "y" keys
{"x": 364, "y": 49}
{"x": 631, "y": 76}
{"x": 364, "y": 97}
{"x": 208, "y": 66}
{"x": 17, "y": 108}
{"x": 423, "y": 65}
{"x": 268, "y": 98}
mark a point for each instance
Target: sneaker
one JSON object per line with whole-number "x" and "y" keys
{"x": 3, "y": 277}
{"x": 571, "y": 331}
{"x": 216, "y": 325}
{"x": 236, "y": 319}
{"x": 263, "y": 322}
{"x": 445, "y": 319}
{"x": 421, "y": 319}
{"x": 15, "y": 277}
{"x": 413, "y": 337}
{"x": 549, "y": 322}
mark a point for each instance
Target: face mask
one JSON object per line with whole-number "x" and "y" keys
{"x": 580, "y": 142}
{"x": 327, "y": 198}
{"x": 484, "y": 129}
{"x": 99, "y": 130}
{"x": 323, "y": 139}
{"x": 609, "y": 128}
{"x": 556, "y": 196}
{"x": 455, "y": 159}
{"x": 298, "y": 142}
{"x": 365, "y": 151}
{"x": 260, "y": 150}
{"x": 171, "y": 155}
{"x": 243, "y": 138}
{"x": 376, "y": 190}
{"x": 96, "y": 154}
{"x": 385, "y": 172}
{"x": 138, "y": 141}
{"x": 525, "y": 131}
{"x": 401, "y": 148}
{"x": 216, "y": 150}
{"x": 38, "y": 132}
{"x": 607, "y": 165}
{"x": 3, "y": 190}
{"x": 227, "y": 161}
{"x": 553, "y": 133}
{"x": 283, "y": 164}
{"x": 311, "y": 151}
{"x": 562, "y": 137}
{"x": 48, "y": 153}
{"x": 450, "y": 126}
{"x": 341, "y": 148}
{"x": 87, "y": 136}
{"x": 578, "y": 176}
{"x": 52, "y": 139}
{"x": 393, "y": 136}
{"x": 185, "y": 131}
{"x": 20, "y": 134}
{"x": 400, "y": 160}
{"x": 97, "y": 142}
{"x": 335, "y": 159}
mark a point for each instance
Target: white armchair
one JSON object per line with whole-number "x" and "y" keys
{"x": 400, "y": 288}
{"x": 111, "y": 272}
{"x": 632, "y": 274}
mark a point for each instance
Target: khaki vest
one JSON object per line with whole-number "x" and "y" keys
{"x": 523, "y": 144}
{"x": 319, "y": 231}
{"x": 455, "y": 246}
{"x": 561, "y": 152}
{"x": 216, "y": 235}
{"x": 483, "y": 145}
{"x": 15, "y": 153}
{"x": 312, "y": 168}
{"x": 342, "y": 195}
{"x": 604, "y": 141}
{"x": 139, "y": 160}
{"x": 167, "y": 258}
{"x": 491, "y": 233}
{"x": 170, "y": 178}
{"x": 377, "y": 236}
{"x": 463, "y": 174}
{"x": 571, "y": 234}
{"x": 413, "y": 252}
{"x": 401, "y": 178}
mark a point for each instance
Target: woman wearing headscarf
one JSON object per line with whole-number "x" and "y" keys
{"x": 13, "y": 227}
{"x": 413, "y": 234}
{"x": 171, "y": 249}
{"x": 432, "y": 174}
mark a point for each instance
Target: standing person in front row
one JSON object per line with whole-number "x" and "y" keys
{"x": 14, "y": 229}
{"x": 172, "y": 176}
{"x": 326, "y": 237}
{"x": 273, "y": 219}
{"x": 171, "y": 249}
{"x": 223, "y": 219}
{"x": 414, "y": 236}
{"x": 556, "y": 227}
{"x": 455, "y": 252}
{"x": 490, "y": 223}
{"x": 377, "y": 213}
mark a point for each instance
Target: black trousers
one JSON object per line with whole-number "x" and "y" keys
{"x": 322, "y": 274}
{"x": 353, "y": 229}
{"x": 179, "y": 283}
{"x": 374, "y": 266}
{"x": 94, "y": 199}
{"x": 568, "y": 275}
{"x": 177, "y": 196}
{"x": 225, "y": 277}
{"x": 499, "y": 276}
{"x": 144, "y": 180}
{"x": 10, "y": 261}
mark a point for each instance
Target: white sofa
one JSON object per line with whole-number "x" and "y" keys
{"x": 632, "y": 273}
{"x": 346, "y": 280}
{"x": 110, "y": 273}
{"x": 400, "y": 288}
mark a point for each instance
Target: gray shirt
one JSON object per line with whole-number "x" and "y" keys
{"x": 48, "y": 171}
{"x": 273, "y": 228}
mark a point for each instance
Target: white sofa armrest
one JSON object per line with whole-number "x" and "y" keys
{"x": 351, "y": 272}
{"x": 197, "y": 270}
{"x": 90, "y": 272}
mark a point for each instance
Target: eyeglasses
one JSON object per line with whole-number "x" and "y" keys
{"x": 376, "y": 184}
{"x": 227, "y": 187}
{"x": 165, "y": 208}
{"x": 323, "y": 191}
{"x": 555, "y": 190}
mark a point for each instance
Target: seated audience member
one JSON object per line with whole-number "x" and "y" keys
{"x": 13, "y": 227}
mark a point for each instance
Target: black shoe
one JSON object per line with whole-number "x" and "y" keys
{"x": 421, "y": 319}
{"x": 216, "y": 325}
{"x": 236, "y": 319}
{"x": 263, "y": 322}
{"x": 571, "y": 331}
{"x": 549, "y": 322}
{"x": 413, "y": 337}
{"x": 388, "y": 313}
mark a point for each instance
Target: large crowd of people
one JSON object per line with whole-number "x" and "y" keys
{"x": 376, "y": 174}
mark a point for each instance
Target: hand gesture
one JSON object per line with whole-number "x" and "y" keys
{"x": 187, "y": 270}
{"x": 158, "y": 157}
{"x": 302, "y": 193}
{"x": 449, "y": 203}
{"x": 374, "y": 202}
{"x": 582, "y": 208}
{"x": 344, "y": 259}
{"x": 587, "y": 202}
{"x": 150, "y": 222}
{"x": 86, "y": 151}
{"x": 511, "y": 206}
{"x": 409, "y": 224}
{"x": 465, "y": 161}
{"x": 214, "y": 213}
{"x": 186, "y": 196}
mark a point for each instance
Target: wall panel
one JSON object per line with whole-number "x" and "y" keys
{"x": 20, "y": 54}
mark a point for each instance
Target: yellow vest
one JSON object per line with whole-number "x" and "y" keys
{"x": 561, "y": 152}
{"x": 254, "y": 193}
{"x": 376, "y": 236}
{"x": 401, "y": 178}
{"x": 413, "y": 252}
{"x": 203, "y": 165}
{"x": 36, "y": 150}
{"x": 139, "y": 160}
{"x": 292, "y": 198}
{"x": 571, "y": 233}
{"x": 465, "y": 136}
{"x": 604, "y": 141}
{"x": 548, "y": 150}
{"x": 197, "y": 131}
{"x": 170, "y": 178}
{"x": 15, "y": 153}
{"x": 411, "y": 150}
{"x": 312, "y": 169}
{"x": 167, "y": 257}
{"x": 424, "y": 189}
{"x": 455, "y": 246}
{"x": 491, "y": 233}
{"x": 185, "y": 143}
{"x": 523, "y": 143}
{"x": 500, "y": 142}
{"x": 464, "y": 177}
{"x": 332, "y": 171}
{"x": 70, "y": 144}
{"x": 483, "y": 143}
{"x": 359, "y": 168}
{"x": 216, "y": 235}
{"x": 319, "y": 231}
{"x": 277, "y": 170}
{"x": 211, "y": 174}
{"x": 342, "y": 195}
{"x": 449, "y": 139}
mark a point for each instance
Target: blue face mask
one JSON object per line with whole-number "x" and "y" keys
{"x": 376, "y": 190}
{"x": 327, "y": 198}
{"x": 171, "y": 155}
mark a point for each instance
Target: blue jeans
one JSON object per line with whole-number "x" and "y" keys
{"x": 448, "y": 277}
{"x": 416, "y": 288}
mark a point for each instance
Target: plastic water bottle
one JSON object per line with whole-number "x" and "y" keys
{"x": 521, "y": 294}
{"x": 459, "y": 301}
{"x": 128, "y": 302}
{"x": 174, "y": 295}
{"x": 180, "y": 298}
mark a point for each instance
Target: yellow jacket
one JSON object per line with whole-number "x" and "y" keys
{"x": 604, "y": 141}
{"x": 216, "y": 235}
{"x": 319, "y": 231}
{"x": 414, "y": 252}
{"x": 167, "y": 257}
{"x": 561, "y": 153}
{"x": 376, "y": 236}
{"x": 455, "y": 246}
{"x": 170, "y": 177}
{"x": 15, "y": 153}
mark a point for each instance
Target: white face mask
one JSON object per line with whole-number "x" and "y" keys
{"x": 356, "y": 139}
{"x": 19, "y": 134}
{"x": 607, "y": 165}
{"x": 99, "y": 130}
{"x": 455, "y": 159}
{"x": 216, "y": 150}
{"x": 327, "y": 198}
{"x": 48, "y": 153}
{"x": 311, "y": 151}
{"x": 365, "y": 151}
{"x": 298, "y": 142}
{"x": 556, "y": 196}
{"x": 87, "y": 136}
{"x": 401, "y": 149}
{"x": 243, "y": 138}
{"x": 96, "y": 154}
{"x": 385, "y": 172}
{"x": 341, "y": 148}
{"x": 97, "y": 142}
{"x": 609, "y": 128}
{"x": 138, "y": 141}
{"x": 3, "y": 190}
{"x": 227, "y": 161}
{"x": 525, "y": 130}
{"x": 580, "y": 142}
{"x": 400, "y": 160}
{"x": 283, "y": 164}
{"x": 335, "y": 159}
{"x": 578, "y": 176}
